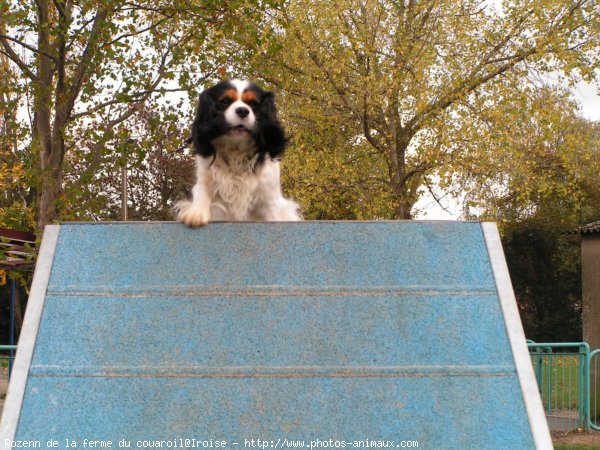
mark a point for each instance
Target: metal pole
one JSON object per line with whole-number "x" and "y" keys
{"x": 129, "y": 143}
{"x": 11, "y": 339}
{"x": 124, "y": 192}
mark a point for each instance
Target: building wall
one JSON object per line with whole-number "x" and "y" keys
{"x": 590, "y": 266}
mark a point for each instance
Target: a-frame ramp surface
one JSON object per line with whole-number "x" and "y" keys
{"x": 337, "y": 334}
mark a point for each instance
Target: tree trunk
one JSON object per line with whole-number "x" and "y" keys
{"x": 42, "y": 105}
{"x": 403, "y": 211}
{"x": 404, "y": 202}
{"x": 51, "y": 188}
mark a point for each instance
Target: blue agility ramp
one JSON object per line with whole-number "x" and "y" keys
{"x": 273, "y": 335}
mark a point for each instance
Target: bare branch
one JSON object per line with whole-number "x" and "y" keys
{"x": 10, "y": 53}
{"x": 86, "y": 59}
{"x": 468, "y": 87}
{"x": 138, "y": 32}
{"x": 367, "y": 129}
{"x": 28, "y": 47}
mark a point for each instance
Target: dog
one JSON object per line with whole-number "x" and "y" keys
{"x": 238, "y": 143}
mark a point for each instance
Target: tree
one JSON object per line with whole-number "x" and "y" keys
{"x": 539, "y": 153}
{"x": 15, "y": 173}
{"x": 546, "y": 276}
{"x": 89, "y": 66}
{"x": 543, "y": 257}
{"x": 156, "y": 173}
{"x": 549, "y": 186}
{"x": 398, "y": 79}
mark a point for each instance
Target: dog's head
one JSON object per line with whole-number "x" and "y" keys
{"x": 240, "y": 111}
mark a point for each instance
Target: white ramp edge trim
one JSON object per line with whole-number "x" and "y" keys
{"x": 516, "y": 336}
{"x": 31, "y": 322}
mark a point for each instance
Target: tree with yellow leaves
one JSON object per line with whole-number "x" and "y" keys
{"x": 391, "y": 90}
{"x": 84, "y": 68}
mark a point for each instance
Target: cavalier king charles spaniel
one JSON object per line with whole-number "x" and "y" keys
{"x": 238, "y": 142}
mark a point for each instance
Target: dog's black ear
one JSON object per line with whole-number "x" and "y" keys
{"x": 271, "y": 135}
{"x": 206, "y": 126}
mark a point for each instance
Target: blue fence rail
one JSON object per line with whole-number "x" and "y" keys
{"x": 8, "y": 357}
{"x": 562, "y": 373}
{"x": 568, "y": 377}
{"x": 594, "y": 377}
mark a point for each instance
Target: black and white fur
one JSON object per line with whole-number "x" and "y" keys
{"x": 238, "y": 142}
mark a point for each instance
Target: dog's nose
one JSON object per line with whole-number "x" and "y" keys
{"x": 242, "y": 112}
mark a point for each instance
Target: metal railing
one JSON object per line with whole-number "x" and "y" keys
{"x": 594, "y": 377}
{"x": 10, "y": 357}
{"x": 563, "y": 377}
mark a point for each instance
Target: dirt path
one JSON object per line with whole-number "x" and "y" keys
{"x": 577, "y": 437}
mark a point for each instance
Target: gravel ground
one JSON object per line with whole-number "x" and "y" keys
{"x": 577, "y": 437}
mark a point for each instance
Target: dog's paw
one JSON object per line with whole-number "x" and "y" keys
{"x": 193, "y": 215}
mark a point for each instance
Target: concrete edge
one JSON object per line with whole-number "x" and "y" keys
{"x": 31, "y": 322}
{"x": 516, "y": 336}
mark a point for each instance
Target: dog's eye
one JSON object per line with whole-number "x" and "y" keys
{"x": 225, "y": 101}
{"x": 252, "y": 103}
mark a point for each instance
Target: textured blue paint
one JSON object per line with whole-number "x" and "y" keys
{"x": 140, "y": 257}
{"x": 454, "y": 412}
{"x": 330, "y": 330}
{"x": 272, "y": 331}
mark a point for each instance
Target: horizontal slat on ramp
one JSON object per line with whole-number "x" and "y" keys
{"x": 313, "y": 330}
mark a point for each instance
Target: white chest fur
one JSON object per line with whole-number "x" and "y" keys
{"x": 233, "y": 182}
{"x": 234, "y": 187}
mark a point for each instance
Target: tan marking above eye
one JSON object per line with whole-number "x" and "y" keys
{"x": 230, "y": 94}
{"x": 249, "y": 97}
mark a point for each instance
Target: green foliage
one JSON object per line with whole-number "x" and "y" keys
{"x": 538, "y": 151}
{"x": 146, "y": 145}
{"x": 383, "y": 98}
{"x": 406, "y": 86}
{"x": 546, "y": 276}
{"x": 85, "y": 70}
{"x": 334, "y": 177}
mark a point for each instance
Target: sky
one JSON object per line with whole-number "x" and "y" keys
{"x": 587, "y": 95}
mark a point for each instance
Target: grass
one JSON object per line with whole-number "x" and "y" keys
{"x": 4, "y": 361}
{"x": 559, "y": 374}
